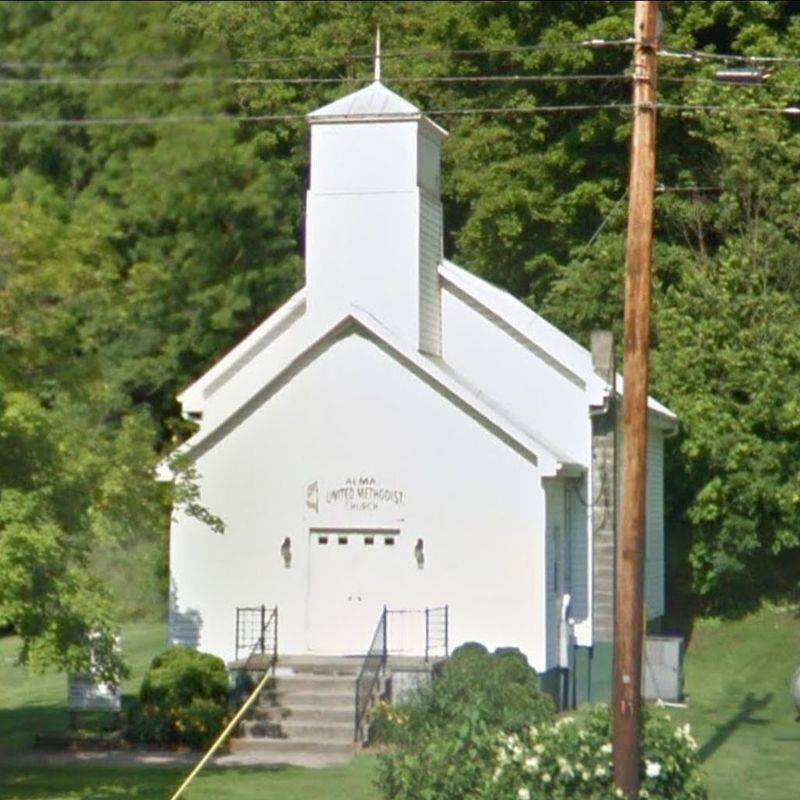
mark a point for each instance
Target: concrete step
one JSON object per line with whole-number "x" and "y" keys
{"x": 307, "y": 712}
{"x": 307, "y": 682}
{"x": 319, "y": 731}
{"x": 333, "y": 666}
{"x": 260, "y": 729}
{"x": 306, "y": 731}
{"x": 291, "y": 746}
{"x": 301, "y": 697}
{"x": 298, "y": 713}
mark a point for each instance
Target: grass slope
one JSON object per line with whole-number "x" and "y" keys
{"x": 31, "y": 702}
{"x": 737, "y": 681}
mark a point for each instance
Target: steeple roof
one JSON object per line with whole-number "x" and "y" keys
{"x": 372, "y": 102}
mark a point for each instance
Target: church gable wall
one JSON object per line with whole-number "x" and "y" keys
{"x": 355, "y": 442}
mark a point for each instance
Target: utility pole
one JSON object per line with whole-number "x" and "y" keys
{"x": 628, "y": 603}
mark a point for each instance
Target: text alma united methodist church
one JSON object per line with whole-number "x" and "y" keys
{"x": 401, "y": 434}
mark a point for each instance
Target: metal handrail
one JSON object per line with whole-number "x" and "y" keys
{"x": 369, "y": 675}
{"x": 443, "y": 612}
{"x": 243, "y": 642}
{"x": 260, "y": 645}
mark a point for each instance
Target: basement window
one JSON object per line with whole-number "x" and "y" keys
{"x": 369, "y": 540}
{"x": 388, "y": 540}
{"x": 322, "y": 540}
{"x": 342, "y": 540}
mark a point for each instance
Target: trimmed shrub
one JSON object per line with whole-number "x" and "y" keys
{"x": 445, "y": 737}
{"x": 183, "y": 699}
{"x": 501, "y": 688}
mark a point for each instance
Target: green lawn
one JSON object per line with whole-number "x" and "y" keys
{"x": 350, "y": 782}
{"x": 30, "y": 702}
{"x": 739, "y": 708}
{"x": 737, "y": 680}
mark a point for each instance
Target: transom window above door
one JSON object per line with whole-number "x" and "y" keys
{"x": 352, "y": 537}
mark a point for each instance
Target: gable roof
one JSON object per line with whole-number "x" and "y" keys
{"x": 548, "y": 342}
{"x": 516, "y": 319}
{"x": 193, "y": 397}
{"x": 468, "y": 399}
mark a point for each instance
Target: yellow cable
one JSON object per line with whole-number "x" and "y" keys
{"x": 224, "y": 735}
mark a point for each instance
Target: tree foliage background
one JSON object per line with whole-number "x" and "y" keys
{"x": 132, "y": 255}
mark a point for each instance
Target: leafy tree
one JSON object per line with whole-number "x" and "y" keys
{"x": 132, "y": 255}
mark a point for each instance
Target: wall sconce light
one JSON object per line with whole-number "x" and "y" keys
{"x": 286, "y": 552}
{"x": 419, "y": 553}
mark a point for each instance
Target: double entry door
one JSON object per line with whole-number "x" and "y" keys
{"x": 352, "y": 574}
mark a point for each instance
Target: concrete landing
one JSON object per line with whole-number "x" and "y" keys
{"x": 334, "y": 665}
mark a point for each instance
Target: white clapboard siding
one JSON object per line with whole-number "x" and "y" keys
{"x": 578, "y": 548}
{"x": 430, "y": 256}
{"x": 555, "y": 519}
{"x": 654, "y": 573}
{"x": 654, "y": 556}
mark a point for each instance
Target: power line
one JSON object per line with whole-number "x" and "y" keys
{"x": 541, "y": 78}
{"x": 154, "y": 120}
{"x": 792, "y": 111}
{"x": 528, "y": 109}
{"x": 765, "y": 84}
{"x": 594, "y": 43}
{"x": 400, "y": 79}
{"x": 603, "y": 224}
{"x": 701, "y": 55}
{"x": 661, "y": 189}
{"x": 87, "y": 122}
{"x": 789, "y": 111}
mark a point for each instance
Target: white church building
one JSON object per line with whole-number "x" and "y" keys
{"x": 403, "y": 434}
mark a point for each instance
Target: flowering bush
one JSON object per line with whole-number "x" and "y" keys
{"x": 448, "y": 763}
{"x": 573, "y": 759}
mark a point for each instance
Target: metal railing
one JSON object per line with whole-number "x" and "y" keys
{"x": 370, "y": 674}
{"x": 437, "y": 623}
{"x": 409, "y": 625}
{"x": 257, "y": 632}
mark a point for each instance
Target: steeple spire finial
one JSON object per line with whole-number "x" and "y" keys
{"x": 378, "y": 53}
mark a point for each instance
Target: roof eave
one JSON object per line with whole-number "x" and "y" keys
{"x": 351, "y": 119}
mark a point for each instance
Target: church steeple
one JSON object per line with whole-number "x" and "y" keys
{"x": 373, "y": 213}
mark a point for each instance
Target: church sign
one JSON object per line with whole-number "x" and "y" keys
{"x": 356, "y": 493}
